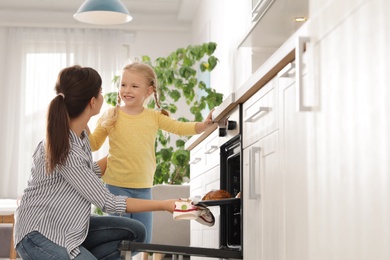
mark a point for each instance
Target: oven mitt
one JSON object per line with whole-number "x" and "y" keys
{"x": 184, "y": 209}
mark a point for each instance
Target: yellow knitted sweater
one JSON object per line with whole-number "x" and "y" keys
{"x": 131, "y": 160}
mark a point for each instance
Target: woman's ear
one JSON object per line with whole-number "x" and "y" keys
{"x": 92, "y": 102}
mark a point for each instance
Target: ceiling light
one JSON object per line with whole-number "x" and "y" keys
{"x": 103, "y": 12}
{"x": 300, "y": 19}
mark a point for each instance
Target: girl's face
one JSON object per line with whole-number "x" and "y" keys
{"x": 134, "y": 89}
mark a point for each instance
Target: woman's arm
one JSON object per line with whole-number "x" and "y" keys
{"x": 102, "y": 164}
{"x": 141, "y": 205}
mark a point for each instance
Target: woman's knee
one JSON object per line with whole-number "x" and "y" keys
{"x": 123, "y": 228}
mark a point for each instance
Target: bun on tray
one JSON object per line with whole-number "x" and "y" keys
{"x": 217, "y": 195}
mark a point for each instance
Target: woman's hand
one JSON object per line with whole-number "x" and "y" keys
{"x": 170, "y": 205}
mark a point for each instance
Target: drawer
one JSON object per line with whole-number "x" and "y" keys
{"x": 211, "y": 151}
{"x": 197, "y": 161}
{"x": 260, "y": 113}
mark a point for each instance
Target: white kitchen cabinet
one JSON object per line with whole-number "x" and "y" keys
{"x": 263, "y": 200}
{"x": 349, "y": 175}
{"x": 262, "y": 179}
{"x": 275, "y": 174}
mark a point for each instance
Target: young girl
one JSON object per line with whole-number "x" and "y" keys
{"x": 53, "y": 220}
{"x": 132, "y": 130}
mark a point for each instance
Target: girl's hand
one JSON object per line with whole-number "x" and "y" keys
{"x": 200, "y": 127}
{"x": 209, "y": 119}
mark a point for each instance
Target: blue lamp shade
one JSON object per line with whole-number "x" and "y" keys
{"x": 103, "y": 12}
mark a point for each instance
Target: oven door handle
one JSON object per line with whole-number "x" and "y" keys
{"x": 252, "y": 171}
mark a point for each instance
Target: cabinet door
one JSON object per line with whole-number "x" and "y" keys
{"x": 350, "y": 210}
{"x": 263, "y": 200}
{"x": 293, "y": 139}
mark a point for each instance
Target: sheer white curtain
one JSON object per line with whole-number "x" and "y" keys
{"x": 34, "y": 57}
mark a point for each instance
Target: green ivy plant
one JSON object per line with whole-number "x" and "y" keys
{"x": 177, "y": 79}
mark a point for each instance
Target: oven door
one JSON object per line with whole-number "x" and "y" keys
{"x": 230, "y": 222}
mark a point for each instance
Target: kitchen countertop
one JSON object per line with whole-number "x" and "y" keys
{"x": 283, "y": 56}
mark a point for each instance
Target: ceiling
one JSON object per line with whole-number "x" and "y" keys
{"x": 148, "y": 15}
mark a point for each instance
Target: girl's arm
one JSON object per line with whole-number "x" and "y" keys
{"x": 141, "y": 205}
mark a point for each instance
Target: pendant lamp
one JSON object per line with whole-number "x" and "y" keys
{"x": 103, "y": 12}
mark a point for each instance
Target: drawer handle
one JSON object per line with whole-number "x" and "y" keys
{"x": 261, "y": 111}
{"x": 212, "y": 149}
{"x": 195, "y": 161}
{"x": 287, "y": 71}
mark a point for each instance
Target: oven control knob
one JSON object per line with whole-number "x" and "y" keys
{"x": 222, "y": 132}
{"x": 231, "y": 125}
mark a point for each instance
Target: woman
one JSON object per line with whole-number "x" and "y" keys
{"x": 53, "y": 220}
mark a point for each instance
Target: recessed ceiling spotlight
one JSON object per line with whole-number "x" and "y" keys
{"x": 300, "y": 19}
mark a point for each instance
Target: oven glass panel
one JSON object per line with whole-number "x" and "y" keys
{"x": 231, "y": 181}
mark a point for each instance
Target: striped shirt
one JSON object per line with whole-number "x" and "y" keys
{"x": 58, "y": 205}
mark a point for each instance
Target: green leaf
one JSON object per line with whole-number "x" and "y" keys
{"x": 180, "y": 143}
{"x": 211, "y": 46}
{"x": 204, "y": 66}
{"x": 166, "y": 153}
{"x": 186, "y": 72}
{"x": 213, "y": 62}
{"x": 202, "y": 85}
{"x": 146, "y": 59}
{"x": 111, "y": 98}
{"x": 172, "y": 108}
{"x": 180, "y": 157}
{"x": 175, "y": 95}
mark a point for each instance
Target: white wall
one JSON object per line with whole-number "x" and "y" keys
{"x": 158, "y": 44}
{"x": 2, "y": 53}
{"x": 3, "y": 109}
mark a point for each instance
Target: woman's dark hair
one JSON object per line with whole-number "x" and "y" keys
{"x": 75, "y": 87}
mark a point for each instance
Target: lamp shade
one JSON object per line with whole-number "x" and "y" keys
{"x": 103, "y": 12}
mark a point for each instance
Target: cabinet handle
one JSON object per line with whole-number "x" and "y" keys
{"x": 299, "y": 49}
{"x": 288, "y": 71}
{"x": 212, "y": 149}
{"x": 252, "y": 178}
{"x": 261, "y": 111}
{"x": 195, "y": 161}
